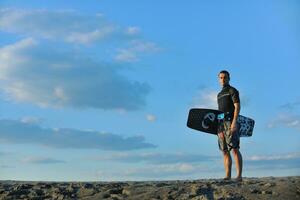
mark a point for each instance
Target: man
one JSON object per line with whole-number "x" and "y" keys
{"x": 228, "y": 136}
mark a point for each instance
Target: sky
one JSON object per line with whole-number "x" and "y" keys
{"x": 100, "y": 90}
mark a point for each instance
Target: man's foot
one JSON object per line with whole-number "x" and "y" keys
{"x": 239, "y": 179}
{"x": 227, "y": 178}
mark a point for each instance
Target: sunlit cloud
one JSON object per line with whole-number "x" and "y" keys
{"x": 28, "y": 73}
{"x": 151, "y": 117}
{"x": 285, "y": 120}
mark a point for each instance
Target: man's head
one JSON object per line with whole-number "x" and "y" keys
{"x": 224, "y": 77}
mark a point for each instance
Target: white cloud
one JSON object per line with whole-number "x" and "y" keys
{"x": 173, "y": 171}
{"x": 31, "y": 120}
{"x": 162, "y": 170}
{"x": 126, "y": 55}
{"x": 66, "y": 25}
{"x": 28, "y": 73}
{"x": 89, "y": 37}
{"x": 286, "y": 120}
{"x": 136, "y": 47}
{"x": 291, "y": 105}
{"x": 71, "y": 27}
{"x": 273, "y": 157}
{"x": 151, "y": 117}
{"x": 133, "y": 30}
{"x": 280, "y": 161}
{"x": 17, "y": 132}
{"x": 206, "y": 98}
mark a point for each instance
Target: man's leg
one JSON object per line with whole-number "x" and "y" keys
{"x": 238, "y": 162}
{"x": 227, "y": 164}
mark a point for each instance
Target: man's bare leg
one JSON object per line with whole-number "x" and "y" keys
{"x": 238, "y": 163}
{"x": 227, "y": 164}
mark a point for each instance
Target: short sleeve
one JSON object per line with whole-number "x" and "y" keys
{"x": 234, "y": 93}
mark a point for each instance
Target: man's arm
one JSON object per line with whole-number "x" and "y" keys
{"x": 237, "y": 108}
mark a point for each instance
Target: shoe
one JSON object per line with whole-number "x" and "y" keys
{"x": 239, "y": 179}
{"x": 226, "y": 179}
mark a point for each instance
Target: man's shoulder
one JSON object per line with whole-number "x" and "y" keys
{"x": 232, "y": 89}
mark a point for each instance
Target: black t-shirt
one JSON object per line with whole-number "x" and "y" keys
{"x": 226, "y": 99}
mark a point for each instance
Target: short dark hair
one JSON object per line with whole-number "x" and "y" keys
{"x": 225, "y": 72}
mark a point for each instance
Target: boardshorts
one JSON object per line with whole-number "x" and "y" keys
{"x": 230, "y": 140}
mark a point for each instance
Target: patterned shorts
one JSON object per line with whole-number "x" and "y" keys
{"x": 230, "y": 140}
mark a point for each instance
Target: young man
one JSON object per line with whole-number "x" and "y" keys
{"x": 228, "y": 137}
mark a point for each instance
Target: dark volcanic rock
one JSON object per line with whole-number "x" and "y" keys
{"x": 250, "y": 188}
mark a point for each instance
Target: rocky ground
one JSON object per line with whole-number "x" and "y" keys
{"x": 283, "y": 188}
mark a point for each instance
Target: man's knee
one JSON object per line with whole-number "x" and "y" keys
{"x": 236, "y": 151}
{"x": 226, "y": 153}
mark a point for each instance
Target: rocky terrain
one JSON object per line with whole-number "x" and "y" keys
{"x": 283, "y": 188}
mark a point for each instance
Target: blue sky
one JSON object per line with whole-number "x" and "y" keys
{"x": 101, "y": 90}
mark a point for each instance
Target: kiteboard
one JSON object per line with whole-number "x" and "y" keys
{"x": 207, "y": 120}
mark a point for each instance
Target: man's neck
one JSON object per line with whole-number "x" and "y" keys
{"x": 226, "y": 85}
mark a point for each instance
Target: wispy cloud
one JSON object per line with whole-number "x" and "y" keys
{"x": 151, "y": 117}
{"x": 67, "y": 25}
{"x": 157, "y": 172}
{"x": 17, "y": 132}
{"x": 131, "y": 54}
{"x": 291, "y": 105}
{"x": 286, "y": 120}
{"x": 153, "y": 165}
{"x": 28, "y": 73}
{"x": 156, "y": 158}
{"x": 70, "y": 27}
{"x": 205, "y": 98}
{"x": 7, "y": 166}
{"x": 182, "y": 165}
{"x": 274, "y": 157}
{"x": 31, "y": 120}
{"x": 282, "y": 161}
{"x": 164, "y": 170}
{"x": 41, "y": 160}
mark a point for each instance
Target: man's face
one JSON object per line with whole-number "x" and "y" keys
{"x": 223, "y": 79}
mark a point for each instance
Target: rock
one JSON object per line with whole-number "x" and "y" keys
{"x": 195, "y": 189}
{"x": 115, "y": 196}
{"x": 269, "y": 184}
{"x": 46, "y": 186}
{"x": 39, "y": 192}
{"x": 115, "y": 191}
{"x": 184, "y": 196}
{"x": 82, "y": 192}
{"x": 18, "y": 192}
{"x": 161, "y": 184}
{"x": 201, "y": 197}
{"x": 56, "y": 195}
{"x": 254, "y": 190}
{"x": 88, "y": 185}
{"x": 60, "y": 197}
{"x": 126, "y": 192}
{"x": 266, "y": 192}
{"x": 251, "y": 188}
{"x": 25, "y": 186}
{"x": 105, "y": 195}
